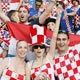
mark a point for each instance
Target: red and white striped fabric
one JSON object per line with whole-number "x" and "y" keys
{"x": 38, "y": 34}
{"x": 68, "y": 26}
{"x": 44, "y": 68}
{"x": 67, "y": 23}
{"x": 10, "y": 75}
{"x": 67, "y": 66}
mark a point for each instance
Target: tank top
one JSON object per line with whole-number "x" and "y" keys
{"x": 47, "y": 68}
{"x": 11, "y": 75}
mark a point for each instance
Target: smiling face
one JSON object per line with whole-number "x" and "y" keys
{"x": 39, "y": 50}
{"x": 22, "y": 49}
{"x": 62, "y": 42}
{"x": 23, "y": 15}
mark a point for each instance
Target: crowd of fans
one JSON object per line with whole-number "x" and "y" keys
{"x": 45, "y": 13}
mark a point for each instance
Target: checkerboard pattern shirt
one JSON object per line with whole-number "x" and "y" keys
{"x": 10, "y": 75}
{"x": 67, "y": 66}
{"x": 45, "y": 68}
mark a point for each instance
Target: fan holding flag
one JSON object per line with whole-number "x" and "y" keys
{"x": 42, "y": 66}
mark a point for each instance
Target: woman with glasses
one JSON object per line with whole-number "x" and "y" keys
{"x": 42, "y": 66}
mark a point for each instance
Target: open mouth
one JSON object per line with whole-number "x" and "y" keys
{"x": 22, "y": 17}
{"x": 39, "y": 52}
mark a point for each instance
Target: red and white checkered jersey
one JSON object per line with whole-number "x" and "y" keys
{"x": 67, "y": 66}
{"x": 47, "y": 68}
{"x": 11, "y": 75}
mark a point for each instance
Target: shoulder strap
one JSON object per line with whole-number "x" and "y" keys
{"x": 32, "y": 64}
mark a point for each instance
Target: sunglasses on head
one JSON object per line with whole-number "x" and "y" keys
{"x": 37, "y": 46}
{"x": 63, "y": 31}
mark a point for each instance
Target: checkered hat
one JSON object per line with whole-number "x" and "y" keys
{"x": 38, "y": 35}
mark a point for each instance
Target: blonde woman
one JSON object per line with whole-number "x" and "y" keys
{"x": 16, "y": 68}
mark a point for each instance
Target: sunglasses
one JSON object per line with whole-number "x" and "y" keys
{"x": 38, "y": 5}
{"x": 37, "y": 46}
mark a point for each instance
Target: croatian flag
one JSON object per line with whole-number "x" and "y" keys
{"x": 8, "y": 5}
{"x": 5, "y": 36}
{"x": 22, "y": 32}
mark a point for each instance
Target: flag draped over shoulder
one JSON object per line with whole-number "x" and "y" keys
{"x": 22, "y": 32}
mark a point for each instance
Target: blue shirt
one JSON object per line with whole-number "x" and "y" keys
{"x": 33, "y": 12}
{"x": 63, "y": 22}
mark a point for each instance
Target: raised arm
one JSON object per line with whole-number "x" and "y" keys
{"x": 20, "y": 3}
{"x": 2, "y": 14}
{"x": 46, "y": 13}
{"x": 71, "y": 13}
{"x": 50, "y": 54}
